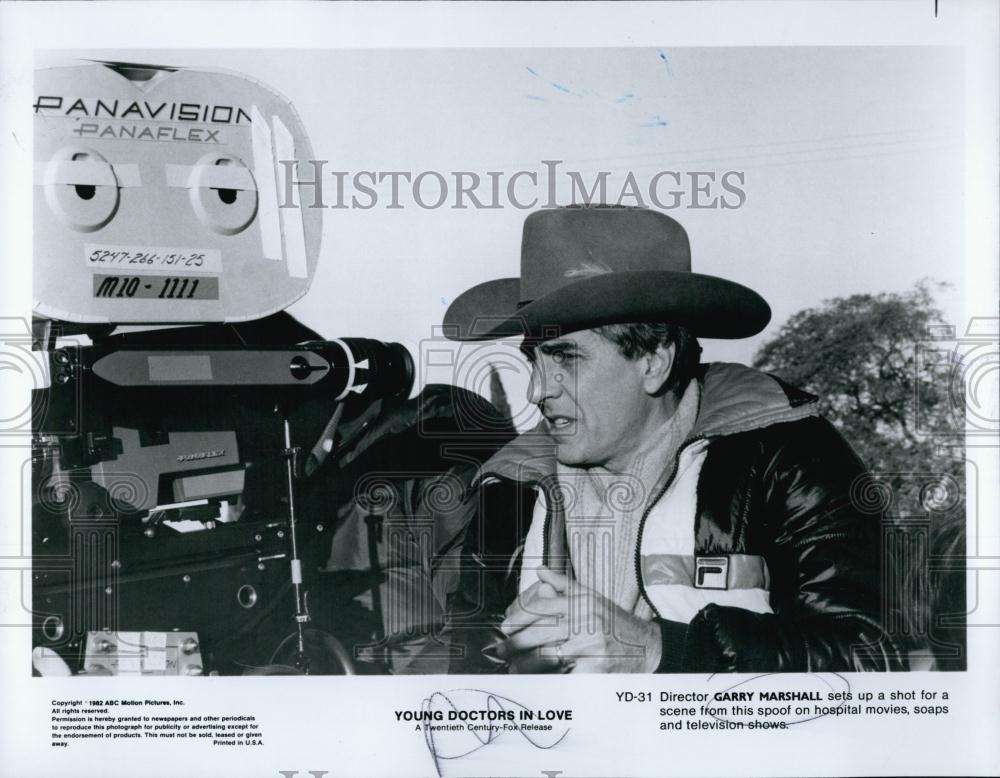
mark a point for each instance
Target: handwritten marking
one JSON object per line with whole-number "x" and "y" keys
{"x": 785, "y": 676}
{"x": 494, "y": 702}
{"x": 666, "y": 62}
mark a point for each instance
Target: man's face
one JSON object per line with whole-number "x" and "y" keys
{"x": 592, "y": 398}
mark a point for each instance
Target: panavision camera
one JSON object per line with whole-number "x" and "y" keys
{"x": 168, "y": 242}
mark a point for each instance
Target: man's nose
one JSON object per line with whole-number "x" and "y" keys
{"x": 546, "y": 382}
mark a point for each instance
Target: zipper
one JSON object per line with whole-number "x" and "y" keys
{"x": 649, "y": 509}
{"x": 549, "y": 507}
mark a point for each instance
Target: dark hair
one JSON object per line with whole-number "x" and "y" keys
{"x": 636, "y": 340}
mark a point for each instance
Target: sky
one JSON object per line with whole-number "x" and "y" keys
{"x": 849, "y": 159}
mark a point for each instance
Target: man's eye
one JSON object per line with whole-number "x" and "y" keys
{"x": 561, "y": 357}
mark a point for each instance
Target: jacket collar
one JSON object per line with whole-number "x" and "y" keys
{"x": 734, "y": 399}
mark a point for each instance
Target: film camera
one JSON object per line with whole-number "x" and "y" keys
{"x": 183, "y": 405}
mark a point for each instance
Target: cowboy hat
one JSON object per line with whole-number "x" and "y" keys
{"x": 587, "y": 266}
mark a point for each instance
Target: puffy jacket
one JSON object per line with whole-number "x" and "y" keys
{"x": 765, "y": 485}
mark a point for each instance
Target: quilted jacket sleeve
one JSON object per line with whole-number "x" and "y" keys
{"x": 825, "y": 559}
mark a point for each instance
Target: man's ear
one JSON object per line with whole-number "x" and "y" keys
{"x": 656, "y": 367}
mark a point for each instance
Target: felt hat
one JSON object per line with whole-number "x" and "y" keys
{"x": 587, "y": 266}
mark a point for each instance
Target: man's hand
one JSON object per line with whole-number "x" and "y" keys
{"x": 558, "y": 625}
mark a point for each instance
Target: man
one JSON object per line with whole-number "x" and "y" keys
{"x": 685, "y": 517}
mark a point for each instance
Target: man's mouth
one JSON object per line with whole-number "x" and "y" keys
{"x": 559, "y": 423}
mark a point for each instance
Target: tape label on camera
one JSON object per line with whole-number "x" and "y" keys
{"x": 152, "y": 259}
{"x": 155, "y": 287}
